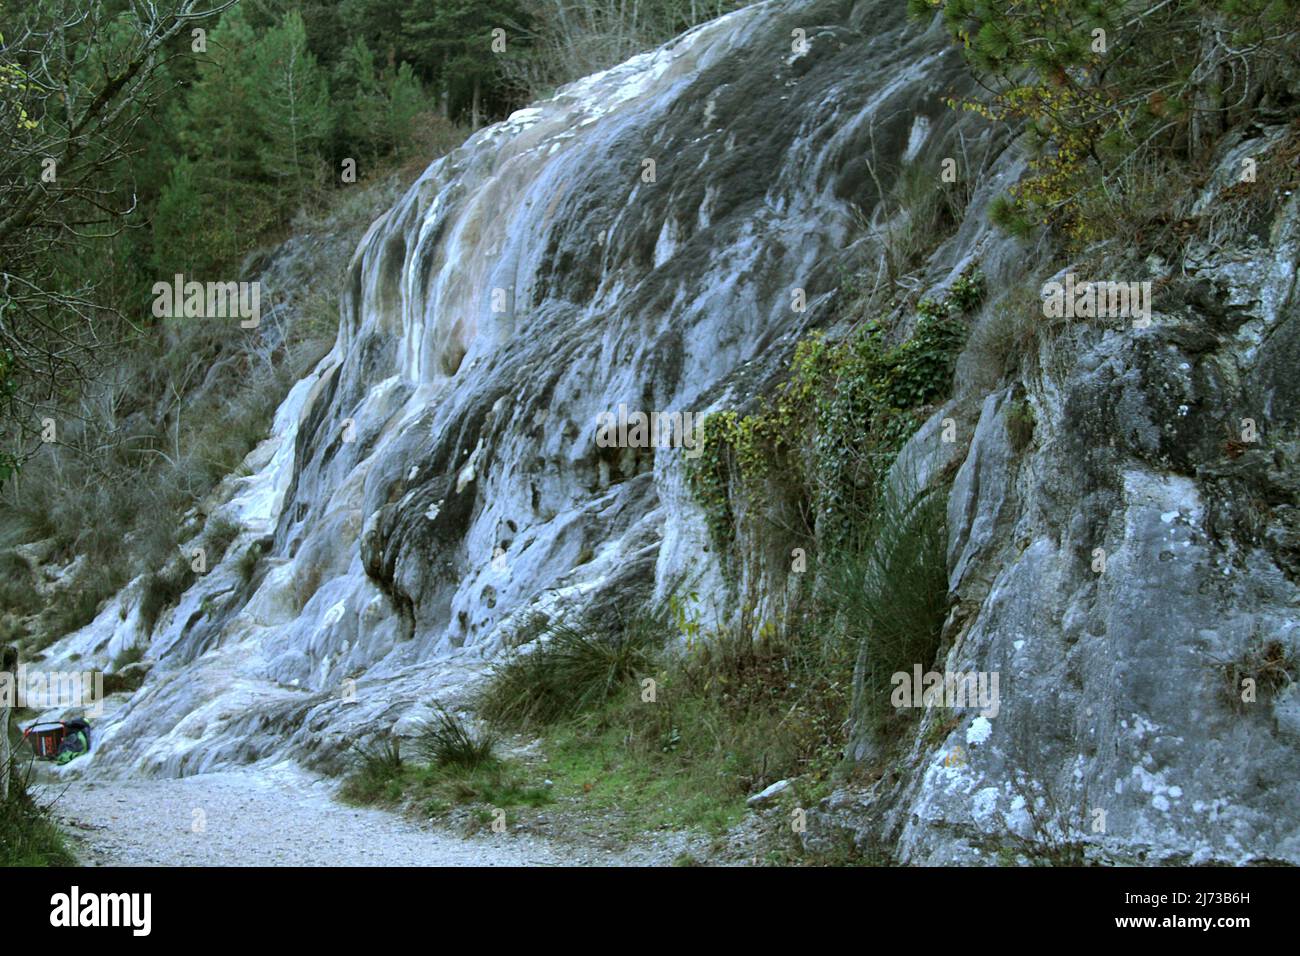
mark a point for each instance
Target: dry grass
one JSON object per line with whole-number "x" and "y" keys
{"x": 1266, "y": 663}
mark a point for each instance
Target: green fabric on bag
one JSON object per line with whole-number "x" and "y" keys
{"x": 80, "y": 741}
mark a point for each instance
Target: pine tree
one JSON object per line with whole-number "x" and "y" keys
{"x": 182, "y": 223}
{"x": 380, "y": 109}
{"x": 292, "y": 107}
{"x": 404, "y": 99}
{"x": 229, "y": 187}
{"x": 453, "y": 42}
{"x": 357, "y": 87}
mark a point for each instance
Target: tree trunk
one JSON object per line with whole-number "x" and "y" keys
{"x": 1209, "y": 75}
{"x": 444, "y": 93}
{"x": 475, "y": 103}
{"x": 4, "y": 753}
{"x": 8, "y": 663}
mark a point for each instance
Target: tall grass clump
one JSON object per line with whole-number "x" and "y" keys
{"x": 376, "y": 773}
{"x": 666, "y": 731}
{"x": 448, "y": 742}
{"x": 28, "y": 837}
{"x": 891, "y": 594}
{"x": 571, "y": 668}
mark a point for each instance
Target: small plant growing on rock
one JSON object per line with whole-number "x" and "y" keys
{"x": 1057, "y": 823}
{"x": 967, "y": 292}
{"x": 161, "y": 590}
{"x": 247, "y": 565}
{"x": 121, "y": 677}
{"x": 128, "y": 656}
{"x": 1259, "y": 673}
{"x": 932, "y": 309}
{"x": 1020, "y": 424}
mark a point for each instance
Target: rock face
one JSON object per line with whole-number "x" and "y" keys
{"x": 1124, "y": 573}
{"x": 638, "y": 240}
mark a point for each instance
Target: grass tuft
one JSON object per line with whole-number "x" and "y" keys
{"x": 892, "y": 595}
{"x": 376, "y": 774}
{"x": 28, "y": 837}
{"x": 1263, "y": 669}
{"x": 571, "y": 668}
{"x": 448, "y": 742}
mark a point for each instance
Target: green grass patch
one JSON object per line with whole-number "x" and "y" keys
{"x": 602, "y": 770}
{"x": 680, "y": 738}
{"x": 459, "y": 768}
{"x": 496, "y": 785}
{"x": 376, "y": 775}
{"x": 28, "y": 837}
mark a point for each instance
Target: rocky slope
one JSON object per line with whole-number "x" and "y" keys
{"x": 639, "y": 239}
{"x": 1123, "y": 724}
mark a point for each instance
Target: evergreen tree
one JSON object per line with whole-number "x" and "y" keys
{"x": 378, "y": 23}
{"x": 357, "y": 87}
{"x": 183, "y": 223}
{"x": 404, "y": 100}
{"x": 214, "y": 131}
{"x": 453, "y": 42}
{"x": 380, "y": 109}
{"x": 292, "y": 107}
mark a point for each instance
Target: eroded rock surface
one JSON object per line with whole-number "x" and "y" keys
{"x": 435, "y": 481}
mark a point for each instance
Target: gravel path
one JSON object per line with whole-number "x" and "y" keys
{"x": 281, "y": 816}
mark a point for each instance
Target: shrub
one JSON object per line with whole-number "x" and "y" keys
{"x": 248, "y": 561}
{"x": 1106, "y": 87}
{"x": 968, "y": 290}
{"x": 1002, "y": 341}
{"x": 1267, "y": 663}
{"x": 218, "y": 534}
{"x": 1020, "y": 424}
{"x": 161, "y": 590}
